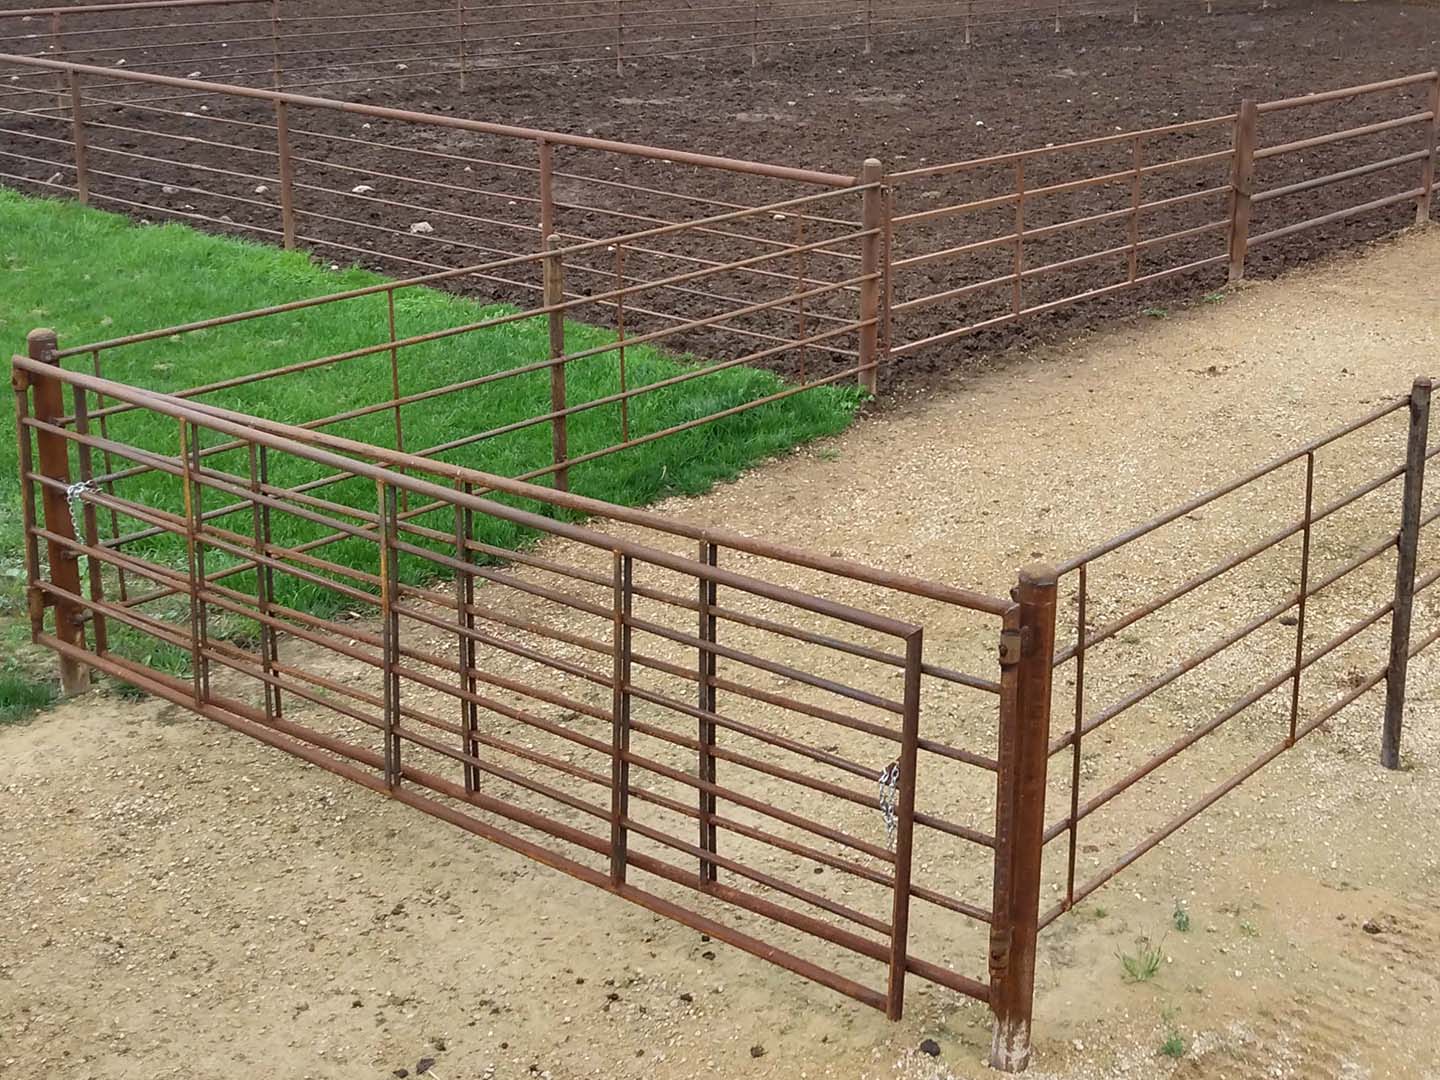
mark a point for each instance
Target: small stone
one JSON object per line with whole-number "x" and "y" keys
{"x": 708, "y": 954}
{"x": 757, "y": 1051}
{"x": 424, "y": 1065}
{"x": 401, "y": 1073}
{"x": 437, "y": 1042}
{"x": 422, "y": 228}
{"x": 687, "y": 997}
{"x": 1372, "y": 927}
{"x": 931, "y": 1047}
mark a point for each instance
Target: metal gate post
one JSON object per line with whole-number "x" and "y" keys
{"x": 1027, "y": 652}
{"x": 872, "y": 210}
{"x": 48, "y": 397}
{"x": 1406, "y": 550}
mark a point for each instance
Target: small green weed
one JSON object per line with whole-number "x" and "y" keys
{"x": 1155, "y": 312}
{"x": 1181, "y": 918}
{"x": 1173, "y": 1046}
{"x": 1143, "y": 964}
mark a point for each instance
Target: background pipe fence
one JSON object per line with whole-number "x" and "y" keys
{"x": 289, "y": 43}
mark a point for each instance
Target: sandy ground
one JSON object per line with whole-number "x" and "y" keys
{"x": 182, "y": 902}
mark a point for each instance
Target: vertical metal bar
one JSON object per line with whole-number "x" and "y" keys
{"x": 1082, "y": 601}
{"x": 1304, "y": 593}
{"x": 1020, "y": 827}
{"x": 754, "y": 33}
{"x": 92, "y": 532}
{"x": 19, "y": 381}
{"x": 871, "y": 211}
{"x": 287, "y": 174}
{"x": 78, "y": 140}
{"x": 275, "y": 76}
{"x": 108, "y": 463}
{"x": 389, "y": 631}
{"x": 620, "y": 719}
{"x": 1016, "y": 301}
{"x": 705, "y": 660}
{"x": 1242, "y": 186}
{"x": 465, "y": 638}
{"x": 619, "y": 37}
{"x": 547, "y": 192}
{"x": 554, "y": 299}
{"x": 54, "y": 454}
{"x": 620, "y": 337}
{"x": 395, "y": 384}
{"x": 1427, "y": 170}
{"x": 1135, "y": 177}
{"x": 269, "y": 572}
{"x": 801, "y": 269}
{"x": 262, "y": 585}
{"x": 1409, "y": 540}
{"x": 195, "y": 557}
{"x": 969, "y": 16}
{"x": 887, "y": 262}
{"x": 905, "y": 828}
{"x": 460, "y": 26}
{"x": 57, "y": 45}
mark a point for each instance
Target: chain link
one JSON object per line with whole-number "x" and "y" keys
{"x": 890, "y": 800}
{"x": 75, "y": 497}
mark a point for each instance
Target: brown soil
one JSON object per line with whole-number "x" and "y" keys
{"x": 188, "y": 904}
{"x": 916, "y": 102}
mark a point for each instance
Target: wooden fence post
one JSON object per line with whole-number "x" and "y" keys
{"x": 872, "y": 207}
{"x": 1027, "y": 650}
{"x": 54, "y": 461}
{"x": 1242, "y": 185}
{"x": 554, "y": 297}
{"x": 1406, "y": 551}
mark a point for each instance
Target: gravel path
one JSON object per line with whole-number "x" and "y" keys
{"x": 183, "y": 903}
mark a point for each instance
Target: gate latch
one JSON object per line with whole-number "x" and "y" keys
{"x": 1010, "y": 642}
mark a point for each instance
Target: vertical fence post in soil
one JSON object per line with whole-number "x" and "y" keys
{"x": 287, "y": 174}
{"x": 49, "y": 406}
{"x": 1431, "y": 132}
{"x": 969, "y": 15}
{"x": 460, "y": 40}
{"x": 871, "y": 219}
{"x": 1242, "y": 184}
{"x": 57, "y": 47}
{"x": 554, "y": 297}
{"x": 905, "y": 827}
{"x": 78, "y": 141}
{"x": 754, "y": 33}
{"x": 276, "y": 77}
{"x": 869, "y": 21}
{"x": 619, "y": 37}
{"x": 1027, "y": 659}
{"x": 620, "y": 718}
{"x": 1409, "y": 540}
{"x": 709, "y": 556}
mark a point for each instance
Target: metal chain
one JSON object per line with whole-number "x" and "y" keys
{"x": 75, "y": 497}
{"x": 889, "y": 800}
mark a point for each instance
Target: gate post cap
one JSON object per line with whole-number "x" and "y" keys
{"x": 1041, "y": 574}
{"x": 42, "y": 344}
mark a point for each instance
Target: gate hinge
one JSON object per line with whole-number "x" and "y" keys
{"x": 999, "y": 950}
{"x": 1011, "y": 642}
{"x": 36, "y": 601}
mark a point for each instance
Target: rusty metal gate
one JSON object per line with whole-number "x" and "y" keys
{"x": 840, "y": 769}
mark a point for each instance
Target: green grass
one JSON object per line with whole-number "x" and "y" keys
{"x": 22, "y": 694}
{"x": 1143, "y": 964}
{"x": 91, "y": 276}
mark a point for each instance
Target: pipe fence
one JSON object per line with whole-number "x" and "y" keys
{"x": 838, "y": 768}
{"x": 287, "y": 43}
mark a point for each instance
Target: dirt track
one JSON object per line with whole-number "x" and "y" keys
{"x": 185, "y": 903}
